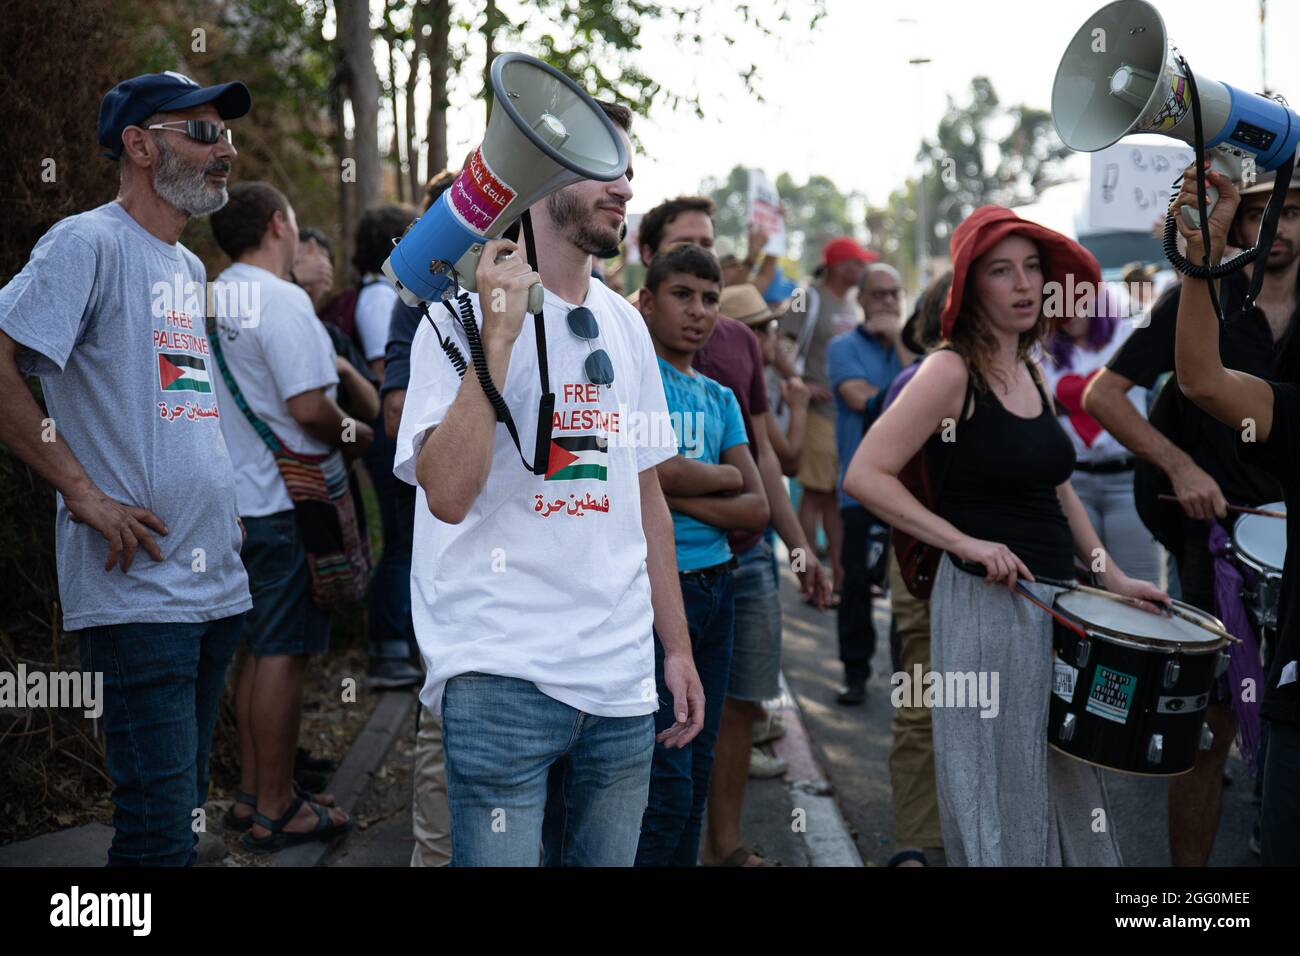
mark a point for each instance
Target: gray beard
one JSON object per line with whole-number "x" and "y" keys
{"x": 571, "y": 217}
{"x": 183, "y": 186}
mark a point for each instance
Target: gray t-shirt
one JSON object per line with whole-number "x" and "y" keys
{"x": 111, "y": 319}
{"x": 834, "y": 315}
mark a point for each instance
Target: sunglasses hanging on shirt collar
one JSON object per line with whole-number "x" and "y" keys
{"x": 582, "y": 323}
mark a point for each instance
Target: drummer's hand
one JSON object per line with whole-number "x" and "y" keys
{"x": 1152, "y": 598}
{"x": 1000, "y": 562}
{"x": 1198, "y": 493}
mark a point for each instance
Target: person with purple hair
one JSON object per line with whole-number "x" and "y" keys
{"x": 1103, "y": 472}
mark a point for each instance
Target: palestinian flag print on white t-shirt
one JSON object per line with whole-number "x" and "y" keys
{"x": 578, "y": 456}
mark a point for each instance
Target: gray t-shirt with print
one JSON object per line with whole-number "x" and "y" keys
{"x": 111, "y": 319}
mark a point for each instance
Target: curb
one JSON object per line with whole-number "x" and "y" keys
{"x": 352, "y": 778}
{"x": 826, "y": 835}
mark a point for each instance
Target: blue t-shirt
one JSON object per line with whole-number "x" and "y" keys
{"x": 707, "y": 419}
{"x": 856, "y": 354}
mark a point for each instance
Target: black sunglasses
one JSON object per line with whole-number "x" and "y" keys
{"x": 197, "y": 129}
{"x": 599, "y": 369}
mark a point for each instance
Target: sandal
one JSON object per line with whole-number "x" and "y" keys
{"x": 279, "y": 838}
{"x": 238, "y": 824}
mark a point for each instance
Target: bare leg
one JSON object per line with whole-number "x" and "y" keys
{"x": 276, "y": 712}
{"x": 1196, "y": 798}
{"x": 244, "y": 723}
{"x": 727, "y": 787}
{"x": 834, "y": 525}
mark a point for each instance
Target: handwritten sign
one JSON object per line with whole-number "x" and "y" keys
{"x": 1132, "y": 184}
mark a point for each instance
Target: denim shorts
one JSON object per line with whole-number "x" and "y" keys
{"x": 284, "y": 618}
{"x": 756, "y": 645}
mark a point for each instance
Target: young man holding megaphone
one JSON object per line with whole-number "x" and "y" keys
{"x": 534, "y": 589}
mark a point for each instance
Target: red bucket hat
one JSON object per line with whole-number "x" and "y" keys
{"x": 986, "y": 227}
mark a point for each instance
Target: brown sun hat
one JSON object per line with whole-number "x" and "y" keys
{"x": 745, "y": 303}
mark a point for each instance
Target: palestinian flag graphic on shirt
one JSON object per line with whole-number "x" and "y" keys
{"x": 578, "y": 456}
{"x": 182, "y": 373}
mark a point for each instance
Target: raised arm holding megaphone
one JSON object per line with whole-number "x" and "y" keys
{"x": 544, "y": 133}
{"x": 1120, "y": 75}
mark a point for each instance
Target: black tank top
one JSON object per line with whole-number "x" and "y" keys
{"x": 998, "y": 481}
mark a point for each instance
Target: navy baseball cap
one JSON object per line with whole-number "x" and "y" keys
{"x": 133, "y": 101}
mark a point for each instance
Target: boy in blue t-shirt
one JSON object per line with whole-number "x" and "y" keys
{"x": 712, "y": 486}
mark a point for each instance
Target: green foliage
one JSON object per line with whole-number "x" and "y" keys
{"x": 983, "y": 152}
{"x": 815, "y": 212}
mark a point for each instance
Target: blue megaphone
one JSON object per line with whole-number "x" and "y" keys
{"x": 544, "y": 134}
{"x": 1119, "y": 76}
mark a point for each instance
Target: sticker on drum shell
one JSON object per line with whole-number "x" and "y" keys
{"x": 1182, "y": 705}
{"x": 1111, "y": 694}
{"x": 1064, "y": 677}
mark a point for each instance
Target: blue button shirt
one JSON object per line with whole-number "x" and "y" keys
{"x": 856, "y": 354}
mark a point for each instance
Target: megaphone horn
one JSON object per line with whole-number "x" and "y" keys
{"x": 1119, "y": 75}
{"x": 544, "y": 133}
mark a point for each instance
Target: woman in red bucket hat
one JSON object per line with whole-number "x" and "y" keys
{"x": 1006, "y": 515}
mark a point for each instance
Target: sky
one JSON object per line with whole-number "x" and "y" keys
{"x": 842, "y": 100}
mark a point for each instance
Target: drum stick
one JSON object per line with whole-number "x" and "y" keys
{"x": 1025, "y": 593}
{"x": 1170, "y": 611}
{"x": 1266, "y": 512}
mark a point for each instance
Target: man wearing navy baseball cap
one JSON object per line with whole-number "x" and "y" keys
{"x": 109, "y": 313}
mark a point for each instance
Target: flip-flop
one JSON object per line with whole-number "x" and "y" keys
{"x": 279, "y": 838}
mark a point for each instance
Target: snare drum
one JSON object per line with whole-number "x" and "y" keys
{"x": 1131, "y": 696}
{"x": 1259, "y": 549}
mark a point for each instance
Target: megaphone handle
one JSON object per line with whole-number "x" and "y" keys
{"x": 1227, "y": 164}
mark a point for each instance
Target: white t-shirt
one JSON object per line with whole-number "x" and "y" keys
{"x": 545, "y": 580}
{"x": 275, "y": 348}
{"x": 1092, "y": 443}
{"x": 374, "y": 314}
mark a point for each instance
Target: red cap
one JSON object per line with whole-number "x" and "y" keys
{"x": 845, "y": 249}
{"x": 986, "y": 227}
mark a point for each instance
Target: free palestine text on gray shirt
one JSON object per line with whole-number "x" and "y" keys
{"x": 111, "y": 319}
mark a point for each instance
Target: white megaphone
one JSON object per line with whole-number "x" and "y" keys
{"x": 1119, "y": 76}
{"x": 544, "y": 133}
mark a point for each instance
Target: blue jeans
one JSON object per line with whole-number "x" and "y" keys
{"x": 525, "y": 771}
{"x": 679, "y": 777}
{"x": 392, "y": 632}
{"x": 162, "y": 686}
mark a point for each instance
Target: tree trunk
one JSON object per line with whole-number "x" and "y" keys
{"x": 490, "y": 20}
{"x": 347, "y": 221}
{"x": 439, "y": 60}
{"x": 395, "y": 151}
{"x": 356, "y": 42}
{"x": 412, "y": 80}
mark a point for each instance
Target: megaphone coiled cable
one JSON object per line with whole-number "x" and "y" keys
{"x": 1205, "y": 269}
